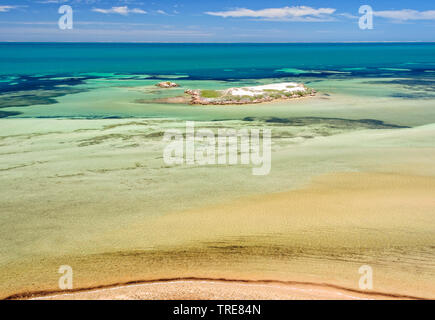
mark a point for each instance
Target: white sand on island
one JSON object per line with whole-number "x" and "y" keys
{"x": 285, "y": 87}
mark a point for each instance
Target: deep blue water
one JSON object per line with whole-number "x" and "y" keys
{"x": 214, "y": 61}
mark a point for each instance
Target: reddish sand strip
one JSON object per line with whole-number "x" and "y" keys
{"x": 215, "y": 289}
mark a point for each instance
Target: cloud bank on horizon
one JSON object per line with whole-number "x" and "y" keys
{"x": 190, "y": 20}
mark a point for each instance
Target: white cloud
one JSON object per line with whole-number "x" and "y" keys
{"x": 119, "y": 10}
{"x": 298, "y": 13}
{"x": 406, "y": 14}
{"x": 348, "y": 15}
{"x": 7, "y": 8}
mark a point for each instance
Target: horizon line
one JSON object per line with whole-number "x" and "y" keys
{"x": 217, "y": 42}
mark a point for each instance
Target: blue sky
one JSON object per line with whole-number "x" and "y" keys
{"x": 217, "y": 21}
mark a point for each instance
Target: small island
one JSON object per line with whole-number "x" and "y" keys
{"x": 249, "y": 95}
{"x": 235, "y": 96}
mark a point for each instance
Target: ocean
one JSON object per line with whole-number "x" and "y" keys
{"x": 83, "y": 182}
{"x": 214, "y": 61}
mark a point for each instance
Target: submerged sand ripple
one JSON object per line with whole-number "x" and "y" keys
{"x": 97, "y": 201}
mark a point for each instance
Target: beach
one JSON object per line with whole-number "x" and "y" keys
{"x": 84, "y": 182}
{"x": 321, "y": 231}
{"x": 208, "y": 289}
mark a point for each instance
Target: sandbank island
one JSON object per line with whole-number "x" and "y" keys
{"x": 248, "y": 95}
